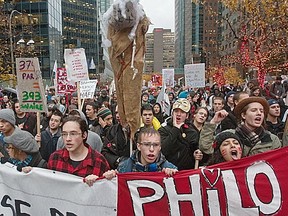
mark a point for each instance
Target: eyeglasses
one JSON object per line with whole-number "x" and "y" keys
{"x": 70, "y": 134}
{"x": 148, "y": 145}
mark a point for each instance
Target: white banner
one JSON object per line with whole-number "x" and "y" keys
{"x": 46, "y": 192}
{"x": 76, "y": 64}
{"x": 31, "y": 93}
{"x": 87, "y": 88}
{"x": 195, "y": 75}
{"x": 168, "y": 78}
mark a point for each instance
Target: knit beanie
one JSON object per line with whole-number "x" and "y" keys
{"x": 8, "y": 115}
{"x": 103, "y": 113}
{"x": 221, "y": 137}
{"x": 22, "y": 140}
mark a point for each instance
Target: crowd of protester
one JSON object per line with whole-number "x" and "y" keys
{"x": 200, "y": 126}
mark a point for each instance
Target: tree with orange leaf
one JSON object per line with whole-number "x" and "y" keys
{"x": 261, "y": 33}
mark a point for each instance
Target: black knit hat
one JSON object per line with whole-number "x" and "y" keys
{"x": 222, "y": 137}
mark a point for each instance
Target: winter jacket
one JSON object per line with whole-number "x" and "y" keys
{"x": 178, "y": 145}
{"x": 268, "y": 142}
{"x": 48, "y": 143}
{"x": 133, "y": 164}
{"x": 116, "y": 145}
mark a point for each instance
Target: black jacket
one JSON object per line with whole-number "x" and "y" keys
{"x": 116, "y": 145}
{"x": 178, "y": 145}
{"x": 48, "y": 143}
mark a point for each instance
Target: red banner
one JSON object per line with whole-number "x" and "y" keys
{"x": 255, "y": 185}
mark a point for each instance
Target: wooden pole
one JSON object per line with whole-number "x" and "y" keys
{"x": 38, "y": 125}
{"x": 196, "y": 164}
{"x": 78, "y": 95}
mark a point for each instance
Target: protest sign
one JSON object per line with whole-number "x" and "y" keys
{"x": 76, "y": 64}
{"x": 31, "y": 93}
{"x": 195, "y": 75}
{"x": 168, "y": 77}
{"x": 63, "y": 85}
{"x": 87, "y": 88}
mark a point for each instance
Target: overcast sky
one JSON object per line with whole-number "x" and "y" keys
{"x": 160, "y": 12}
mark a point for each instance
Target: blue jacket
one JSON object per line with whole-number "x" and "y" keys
{"x": 132, "y": 164}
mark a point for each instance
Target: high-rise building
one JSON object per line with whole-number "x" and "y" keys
{"x": 197, "y": 32}
{"x": 44, "y": 23}
{"x": 58, "y": 24}
{"x": 160, "y": 50}
{"x": 104, "y": 5}
{"x": 80, "y": 27}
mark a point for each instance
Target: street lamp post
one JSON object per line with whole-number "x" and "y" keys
{"x": 11, "y": 39}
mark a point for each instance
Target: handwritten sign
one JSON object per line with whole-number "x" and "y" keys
{"x": 87, "y": 88}
{"x": 30, "y": 87}
{"x": 63, "y": 85}
{"x": 76, "y": 64}
{"x": 195, "y": 75}
{"x": 168, "y": 77}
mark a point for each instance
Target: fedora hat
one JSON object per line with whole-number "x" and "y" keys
{"x": 243, "y": 103}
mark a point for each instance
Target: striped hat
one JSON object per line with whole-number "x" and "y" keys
{"x": 104, "y": 112}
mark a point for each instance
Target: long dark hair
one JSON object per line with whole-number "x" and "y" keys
{"x": 159, "y": 115}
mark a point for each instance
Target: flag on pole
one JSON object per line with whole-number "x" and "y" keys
{"x": 92, "y": 64}
{"x": 55, "y": 68}
{"x": 163, "y": 100}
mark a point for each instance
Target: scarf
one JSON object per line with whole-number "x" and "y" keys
{"x": 251, "y": 138}
{"x": 24, "y": 163}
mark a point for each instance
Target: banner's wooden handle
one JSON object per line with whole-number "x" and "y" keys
{"x": 196, "y": 164}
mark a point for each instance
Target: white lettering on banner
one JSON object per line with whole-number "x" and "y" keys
{"x": 234, "y": 203}
{"x": 194, "y": 197}
{"x": 213, "y": 202}
{"x": 263, "y": 168}
{"x": 139, "y": 201}
{"x": 230, "y": 189}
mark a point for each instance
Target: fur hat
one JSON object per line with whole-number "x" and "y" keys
{"x": 8, "y": 115}
{"x": 243, "y": 103}
{"x": 222, "y": 137}
{"x": 104, "y": 112}
{"x": 22, "y": 140}
{"x": 182, "y": 104}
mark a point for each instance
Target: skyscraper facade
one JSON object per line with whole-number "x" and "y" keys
{"x": 197, "y": 32}
{"x": 43, "y": 23}
{"x": 58, "y": 24}
{"x": 160, "y": 50}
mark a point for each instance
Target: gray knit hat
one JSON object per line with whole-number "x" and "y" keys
{"x": 8, "y": 115}
{"x": 22, "y": 140}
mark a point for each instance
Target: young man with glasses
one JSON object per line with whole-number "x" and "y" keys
{"x": 78, "y": 158}
{"x": 147, "y": 157}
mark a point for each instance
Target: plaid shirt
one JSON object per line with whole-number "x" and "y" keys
{"x": 94, "y": 163}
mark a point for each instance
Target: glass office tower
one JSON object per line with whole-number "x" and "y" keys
{"x": 42, "y": 22}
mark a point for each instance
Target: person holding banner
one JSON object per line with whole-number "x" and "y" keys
{"x": 227, "y": 147}
{"x": 93, "y": 139}
{"x": 78, "y": 158}
{"x": 147, "y": 157}
{"x": 23, "y": 150}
